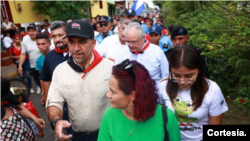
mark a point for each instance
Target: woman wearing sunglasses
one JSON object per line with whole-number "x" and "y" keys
{"x": 195, "y": 100}
{"x": 135, "y": 114}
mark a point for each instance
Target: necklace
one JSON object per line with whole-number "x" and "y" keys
{"x": 129, "y": 122}
{"x": 131, "y": 130}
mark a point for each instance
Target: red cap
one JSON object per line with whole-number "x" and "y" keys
{"x": 17, "y": 36}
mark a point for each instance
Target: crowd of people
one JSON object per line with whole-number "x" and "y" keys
{"x": 128, "y": 78}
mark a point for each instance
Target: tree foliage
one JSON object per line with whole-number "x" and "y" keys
{"x": 61, "y": 10}
{"x": 222, "y": 31}
{"x": 159, "y": 3}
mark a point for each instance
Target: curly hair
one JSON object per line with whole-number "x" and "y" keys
{"x": 138, "y": 79}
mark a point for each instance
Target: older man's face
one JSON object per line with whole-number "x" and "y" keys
{"x": 133, "y": 40}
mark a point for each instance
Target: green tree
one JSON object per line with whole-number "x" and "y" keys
{"x": 61, "y": 10}
{"x": 158, "y": 3}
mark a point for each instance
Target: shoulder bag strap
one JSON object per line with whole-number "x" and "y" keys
{"x": 165, "y": 120}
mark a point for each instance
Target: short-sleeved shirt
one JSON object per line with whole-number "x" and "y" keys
{"x": 8, "y": 25}
{"x": 29, "y": 46}
{"x": 40, "y": 62}
{"x": 165, "y": 43}
{"x": 51, "y": 61}
{"x": 191, "y": 122}
{"x": 117, "y": 127}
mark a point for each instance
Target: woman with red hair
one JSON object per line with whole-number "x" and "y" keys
{"x": 135, "y": 113}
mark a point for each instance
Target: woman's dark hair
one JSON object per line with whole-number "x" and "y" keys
{"x": 24, "y": 97}
{"x": 189, "y": 57}
{"x": 4, "y": 88}
{"x": 137, "y": 78}
{"x": 94, "y": 26}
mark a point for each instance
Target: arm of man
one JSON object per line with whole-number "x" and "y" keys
{"x": 27, "y": 114}
{"x": 22, "y": 59}
{"x": 15, "y": 26}
{"x": 54, "y": 107}
{"x": 46, "y": 85}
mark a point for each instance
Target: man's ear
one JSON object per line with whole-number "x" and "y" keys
{"x": 188, "y": 38}
{"x": 93, "y": 43}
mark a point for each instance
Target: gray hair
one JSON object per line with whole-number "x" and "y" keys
{"x": 58, "y": 24}
{"x": 138, "y": 27}
{"x": 125, "y": 21}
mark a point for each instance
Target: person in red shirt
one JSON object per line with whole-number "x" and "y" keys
{"x": 14, "y": 52}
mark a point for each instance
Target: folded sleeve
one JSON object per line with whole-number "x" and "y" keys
{"x": 54, "y": 96}
{"x": 218, "y": 104}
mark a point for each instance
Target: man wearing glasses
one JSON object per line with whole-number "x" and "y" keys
{"x": 105, "y": 28}
{"x": 112, "y": 45}
{"x": 142, "y": 51}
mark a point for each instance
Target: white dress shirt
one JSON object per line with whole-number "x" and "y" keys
{"x": 152, "y": 58}
{"x": 110, "y": 47}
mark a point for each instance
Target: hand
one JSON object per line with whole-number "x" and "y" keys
{"x": 40, "y": 122}
{"x": 40, "y": 134}
{"x": 43, "y": 100}
{"x": 60, "y": 125}
{"x": 20, "y": 70}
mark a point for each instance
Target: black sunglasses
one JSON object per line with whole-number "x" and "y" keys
{"x": 127, "y": 65}
{"x": 106, "y": 24}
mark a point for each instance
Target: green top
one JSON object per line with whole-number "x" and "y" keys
{"x": 116, "y": 127}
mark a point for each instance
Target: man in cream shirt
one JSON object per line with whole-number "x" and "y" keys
{"x": 82, "y": 82}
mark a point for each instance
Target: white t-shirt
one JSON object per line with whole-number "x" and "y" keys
{"x": 7, "y": 41}
{"x": 8, "y": 25}
{"x": 153, "y": 59}
{"x": 48, "y": 30}
{"x": 110, "y": 47}
{"x": 29, "y": 46}
{"x": 191, "y": 122}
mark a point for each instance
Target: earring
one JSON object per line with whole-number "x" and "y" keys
{"x": 130, "y": 105}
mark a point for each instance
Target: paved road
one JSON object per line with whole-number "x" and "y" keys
{"x": 36, "y": 100}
